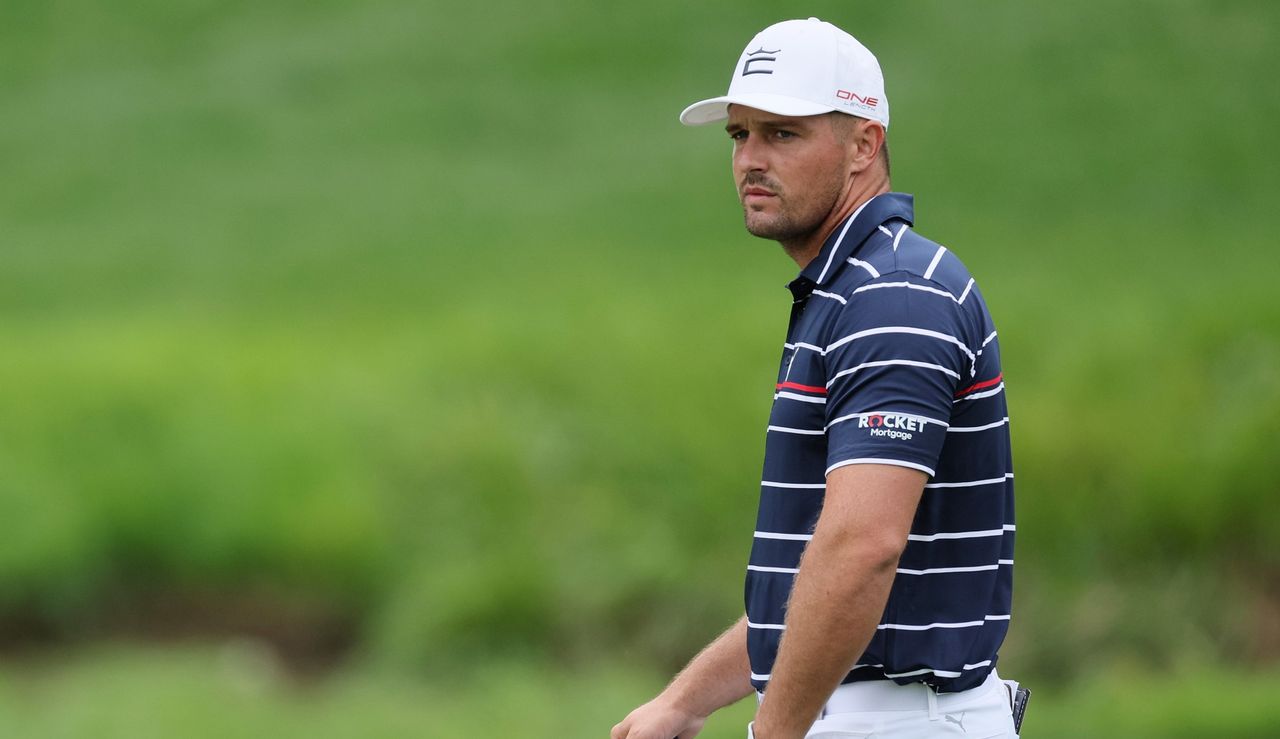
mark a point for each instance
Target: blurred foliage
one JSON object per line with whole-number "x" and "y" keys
{"x": 433, "y": 313}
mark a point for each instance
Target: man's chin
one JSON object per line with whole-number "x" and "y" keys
{"x": 765, "y": 227}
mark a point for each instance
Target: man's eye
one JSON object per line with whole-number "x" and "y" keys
{"x": 784, "y": 134}
{"x": 738, "y": 135}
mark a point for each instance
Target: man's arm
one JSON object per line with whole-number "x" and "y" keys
{"x": 718, "y": 676}
{"x": 840, "y": 591}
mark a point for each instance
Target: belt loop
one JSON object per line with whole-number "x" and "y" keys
{"x": 932, "y": 697}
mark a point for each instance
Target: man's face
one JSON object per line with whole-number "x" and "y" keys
{"x": 790, "y": 171}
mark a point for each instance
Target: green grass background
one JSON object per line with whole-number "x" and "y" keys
{"x": 432, "y": 314}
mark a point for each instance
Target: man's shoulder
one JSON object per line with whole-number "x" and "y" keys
{"x": 897, "y": 254}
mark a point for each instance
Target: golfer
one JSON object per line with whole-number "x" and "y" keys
{"x": 880, "y": 577}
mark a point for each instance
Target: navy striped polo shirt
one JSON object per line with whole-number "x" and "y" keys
{"x": 892, "y": 358}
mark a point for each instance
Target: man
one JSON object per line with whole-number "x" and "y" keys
{"x": 887, "y": 462}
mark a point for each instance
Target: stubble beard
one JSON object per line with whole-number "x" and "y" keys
{"x": 792, "y": 222}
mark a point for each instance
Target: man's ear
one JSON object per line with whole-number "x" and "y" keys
{"x": 865, "y": 142}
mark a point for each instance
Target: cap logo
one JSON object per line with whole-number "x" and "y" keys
{"x": 854, "y": 97}
{"x": 759, "y": 56}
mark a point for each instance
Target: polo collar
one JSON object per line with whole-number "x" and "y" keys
{"x": 854, "y": 230}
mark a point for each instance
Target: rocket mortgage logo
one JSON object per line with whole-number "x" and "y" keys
{"x": 892, "y": 425}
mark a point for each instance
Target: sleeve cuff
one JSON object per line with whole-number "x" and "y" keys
{"x": 880, "y": 460}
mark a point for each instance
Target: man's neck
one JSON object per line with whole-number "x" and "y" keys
{"x": 806, "y": 248}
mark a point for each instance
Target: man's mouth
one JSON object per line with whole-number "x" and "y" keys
{"x": 757, "y": 192}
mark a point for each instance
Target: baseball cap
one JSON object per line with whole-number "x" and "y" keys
{"x": 798, "y": 68}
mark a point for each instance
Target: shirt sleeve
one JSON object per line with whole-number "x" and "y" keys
{"x": 894, "y": 362}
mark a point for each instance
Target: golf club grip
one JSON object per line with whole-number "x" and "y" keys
{"x": 1020, "y": 707}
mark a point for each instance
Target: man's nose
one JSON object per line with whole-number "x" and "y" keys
{"x": 749, "y": 156}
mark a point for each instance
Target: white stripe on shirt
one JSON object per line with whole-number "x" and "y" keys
{"x": 985, "y": 533}
{"x": 789, "y": 430}
{"x": 908, "y": 285}
{"x": 893, "y": 363}
{"x": 968, "y": 429}
{"x": 937, "y": 257}
{"x": 865, "y": 265}
{"x": 912, "y": 674}
{"x": 802, "y": 398}
{"x": 898, "y": 238}
{"x": 922, "y": 671}
{"x": 901, "y": 330}
{"x": 939, "y": 673}
{"x": 802, "y": 345}
{"x": 941, "y": 625}
{"x": 930, "y": 627}
{"x": 984, "y": 394}
{"x": 947, "y": 570}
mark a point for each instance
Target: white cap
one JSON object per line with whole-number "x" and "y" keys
{"x": 799, "y": 68}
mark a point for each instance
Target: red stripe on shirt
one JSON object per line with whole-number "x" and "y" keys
{"x": 985, "y": 383}
{"x": 805, "y": 388}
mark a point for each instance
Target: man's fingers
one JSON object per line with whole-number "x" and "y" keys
{"x": 656, "y": 722}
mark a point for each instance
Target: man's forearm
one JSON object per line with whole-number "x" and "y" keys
{"x": 838, "y": 598}
{"x": 718, "y": 676}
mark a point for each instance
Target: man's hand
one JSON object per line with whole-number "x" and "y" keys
{"x": 718, "y": 676}
{"x": 658, "y": 719}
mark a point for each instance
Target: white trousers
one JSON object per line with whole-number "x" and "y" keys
{"x": 886, "y": 710}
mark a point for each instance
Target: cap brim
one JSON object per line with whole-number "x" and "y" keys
{"x": 717, "y": 109}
